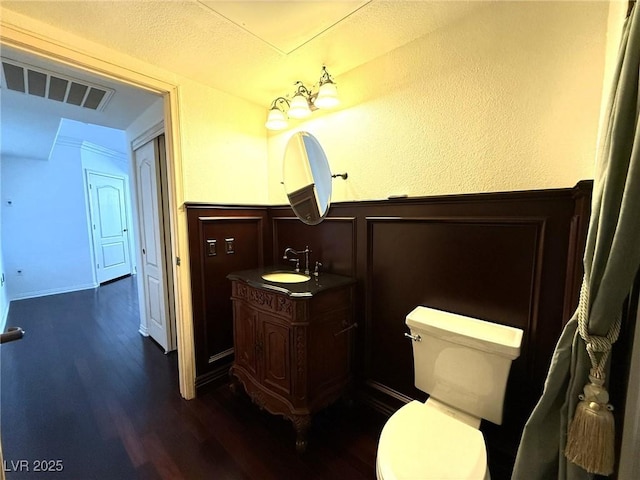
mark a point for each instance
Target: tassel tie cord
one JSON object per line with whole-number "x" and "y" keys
{"x": 590, "y": 437}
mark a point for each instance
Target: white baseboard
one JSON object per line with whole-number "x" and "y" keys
{"x": 54, "y": 291}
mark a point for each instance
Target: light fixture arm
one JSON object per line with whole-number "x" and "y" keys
{"x": 280, "y": 100}
{"x": 325, "y": 77}
{"x": 344, "y": 175}
{"x": 302, "y": 89}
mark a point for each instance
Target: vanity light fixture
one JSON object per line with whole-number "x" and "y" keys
{"x": 303, "y": 102}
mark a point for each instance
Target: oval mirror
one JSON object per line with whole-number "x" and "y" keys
{"x": 307, "y": 178}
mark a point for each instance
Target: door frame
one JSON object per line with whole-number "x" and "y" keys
{"x": 31, "y": 36}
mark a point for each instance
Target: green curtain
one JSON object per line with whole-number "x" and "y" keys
{"x": 611, "y": 261}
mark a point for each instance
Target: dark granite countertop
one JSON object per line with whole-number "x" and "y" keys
{"x": 308, "y": 289}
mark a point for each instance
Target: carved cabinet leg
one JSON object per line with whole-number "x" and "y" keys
{"x": 301, "y": 424}
{"x": 234, "y": 384}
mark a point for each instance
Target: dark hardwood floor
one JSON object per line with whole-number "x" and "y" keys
{"x": 84, "y": 389}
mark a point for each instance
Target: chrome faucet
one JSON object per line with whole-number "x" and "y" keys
{"x": 306, "y": 252}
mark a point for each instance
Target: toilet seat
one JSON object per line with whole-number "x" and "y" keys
{"x": 420, "y": 442}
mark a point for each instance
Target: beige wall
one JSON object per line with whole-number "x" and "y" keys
{"x": 223, "y": 147}
{"x": 507, "y": 99}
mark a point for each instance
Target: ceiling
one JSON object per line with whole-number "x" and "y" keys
{"x": 254, "y": 50}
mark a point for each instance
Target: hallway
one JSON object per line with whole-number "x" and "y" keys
{"x": 86, "y": 392}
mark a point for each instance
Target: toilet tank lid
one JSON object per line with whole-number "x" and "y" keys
{"x": 486, "y": 336}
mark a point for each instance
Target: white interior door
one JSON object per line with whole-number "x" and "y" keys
{"x": 109, "y": 221}
{"x": 152, "y": 245}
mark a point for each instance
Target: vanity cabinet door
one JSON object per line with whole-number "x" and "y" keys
{"x": 275, "y": 347}
{"x": 247, "y": 349}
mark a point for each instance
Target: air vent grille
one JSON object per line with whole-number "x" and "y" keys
{"x": 35, "y": 81}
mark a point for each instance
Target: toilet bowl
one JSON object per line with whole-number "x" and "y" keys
{"x": 463, "y": 364}
{"x": 422, "y": 442}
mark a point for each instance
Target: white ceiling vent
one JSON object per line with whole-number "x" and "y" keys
{"x": 35, "y": 81}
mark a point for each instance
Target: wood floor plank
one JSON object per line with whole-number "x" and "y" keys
{"x": 98, "y": 403}
{"x": 161, "y": 459}
{"x": 131, "y": 441}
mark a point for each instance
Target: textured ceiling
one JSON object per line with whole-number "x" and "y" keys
{"x": 289, "y": 25}
{"x": 254, "y": 50}
{"x": 191, "y": 38}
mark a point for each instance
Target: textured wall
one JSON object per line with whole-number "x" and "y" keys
{"x": 506, "y": 99}
{"x": 223, "y": 147}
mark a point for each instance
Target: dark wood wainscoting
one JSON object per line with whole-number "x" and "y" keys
{"x": 333, "y": 244}
{"x": 487, "y": 268}
{"x": 221, "y": 240}
{"x": 513, "y": 258}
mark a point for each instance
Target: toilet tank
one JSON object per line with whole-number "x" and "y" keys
{"x": 463, "y": 362}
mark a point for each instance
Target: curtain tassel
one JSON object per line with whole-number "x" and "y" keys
{"x": 591, "y": 434}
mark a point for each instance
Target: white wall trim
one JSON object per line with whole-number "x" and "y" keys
{"x": 65, "y": 141}
{"x": 148, "y": 135}
{"x": 104, "y": 151}
{"x": 90, "y": 147}
{"x": 143, "y": 330}
{"x": 179, "y": 245}
{"x": 54, "y": 291}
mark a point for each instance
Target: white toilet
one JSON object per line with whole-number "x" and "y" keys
{"x": 463, "y": 364}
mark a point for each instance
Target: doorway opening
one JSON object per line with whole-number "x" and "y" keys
{"x": 106, "y": 244}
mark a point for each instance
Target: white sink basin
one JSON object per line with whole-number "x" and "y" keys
{"x": 286, "y": 277}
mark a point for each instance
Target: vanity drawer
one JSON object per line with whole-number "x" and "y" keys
{"x": 271, "y": 302}
{"x": 329, "y": 301}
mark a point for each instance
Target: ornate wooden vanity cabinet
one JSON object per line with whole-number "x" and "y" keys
{"x": 293, "y": 348}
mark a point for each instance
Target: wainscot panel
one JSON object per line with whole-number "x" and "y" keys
{"x": 221, "y": 240}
